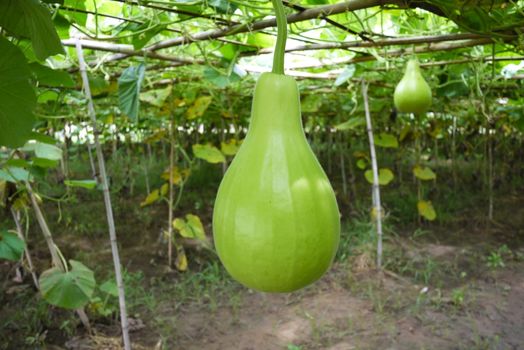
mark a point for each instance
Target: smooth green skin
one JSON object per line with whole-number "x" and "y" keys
{"x": 413, "y": 94}
{"x": 276, "y": 221}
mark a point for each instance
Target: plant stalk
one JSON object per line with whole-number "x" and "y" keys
{"x": 280, "y": 47}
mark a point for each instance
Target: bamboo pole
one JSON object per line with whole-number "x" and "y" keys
{"x": 171, "y": 192}
{"x": 107, "y": 200}
{"x": 374, "y": 167}
{"x": 19, "y": 232}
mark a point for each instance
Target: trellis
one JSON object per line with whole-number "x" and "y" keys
{"x": 228, "y": 28}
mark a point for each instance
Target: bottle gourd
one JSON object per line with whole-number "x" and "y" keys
{"x": 412, "y": 94}
{"x": 276, "y": 222}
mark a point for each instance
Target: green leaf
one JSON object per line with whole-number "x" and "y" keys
{"x": 346, "y": 74}
{"x": 44, "y": 163}
{"x": 129, "y": 90}
{"x": 144, "y": 36}
{"x": 351, "y": 124}
{"x": 50, "y": 77}
{"x": 424, "y": 173}
{"x": 109, "y": 287}
{"x": 157, "y": 97}
{"x": 191, "y": 227}
{"x": 17, "y": 97}
{"x": 47, "y": 151}
{"x": 74, "y": 16}
{"x": 311, "y": 103}
{"x": 87, "y": 184}
{"x": 208, "y": 153}
{"x": 426, "y": 210}
{"x": 385, "y": 176}
{"x": 30, "y": 19}
{"x": 11, "y": 246}
{"x": 362, "y": 163}
{"x": 386, "y": 141}
{"x": 69, "y": 290}
{"x": 219, "y": 79}
{"x": 14, "y": 174}
{"x": 222, "y": 6}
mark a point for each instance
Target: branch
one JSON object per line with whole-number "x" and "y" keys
{"x": 127, "y": 50}
{"x": 378, "y": 43}
{"x": 330, "y": 21}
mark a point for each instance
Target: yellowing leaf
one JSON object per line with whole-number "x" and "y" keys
{"x": 208, "y": 153}
{"x": 151, "y": 198}
{"x": 424, "y": 173}
{"x": 181, "y": 259}
{"x": 3, "y": 193}
{"x": 230, "y": 147}
{"x": 156, "y": 136}
{"x": 176, "y": 175}
{"x": 426, "y": 210}
{"x": 199, "y": 107}
{"x": 385, "y": 176}
{"x": 374, "y": 213}
{"x": 164, "y": 189}
{"x": 191, "y": 227}
{"x": 386, "y": 141}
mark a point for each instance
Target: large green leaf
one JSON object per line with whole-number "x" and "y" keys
{"x": 51, "y": 77}
{"x": 47, "y": 151}
{"x": 129, "y": 90}
{"x": 70, "y": 290}
{"x": 208, "y": 153}
{"x": 11, "y": 246}
{"x": 14, "y": 174}
{"x": 30, "y": 19}
{"x": 17, "y": 97}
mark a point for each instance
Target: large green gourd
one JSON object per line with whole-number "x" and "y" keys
{"x": 276, "y": 222}
{"x": 413, "y": 94}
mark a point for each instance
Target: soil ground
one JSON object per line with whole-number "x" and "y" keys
{"x": 458, "y": 287}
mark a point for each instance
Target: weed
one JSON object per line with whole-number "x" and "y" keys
{"x": 458, "y": 297}
{"x": 495, "y": 260}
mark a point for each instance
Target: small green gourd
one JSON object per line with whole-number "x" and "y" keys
{"x": 413, "y": 94}
{"x": 276, "y": 222}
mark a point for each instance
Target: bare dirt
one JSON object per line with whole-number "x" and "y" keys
{"x": 437, "y": 293}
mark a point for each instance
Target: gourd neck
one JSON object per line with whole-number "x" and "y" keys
{"x": 413, "y": 67}
{"x": 276, "y": 106}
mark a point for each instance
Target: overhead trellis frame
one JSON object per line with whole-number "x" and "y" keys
{"x": 229, "y": 28}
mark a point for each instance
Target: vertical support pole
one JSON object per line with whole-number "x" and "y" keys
{"x": 374, "y": 166}
{"x": 107, "y": 200}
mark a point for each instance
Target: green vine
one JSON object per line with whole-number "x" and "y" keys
{"x": 280, "y": 47}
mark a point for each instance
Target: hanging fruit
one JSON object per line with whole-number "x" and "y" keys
{"x": 276, "y": 222}
{"x": 413, "y": 94}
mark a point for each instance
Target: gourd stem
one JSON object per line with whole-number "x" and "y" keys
{"x": 280, "y": 47}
